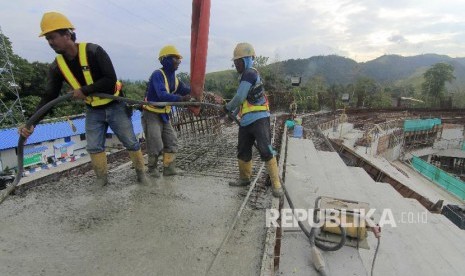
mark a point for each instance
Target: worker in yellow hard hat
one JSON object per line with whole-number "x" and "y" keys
{"x": 88, "y": 69}
{"x": 251, "y": 103}
{"x": 163, "y": 86}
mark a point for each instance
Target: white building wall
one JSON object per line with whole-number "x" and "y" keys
{"x": 393, "y": 153}
{"x": 451, "y": 138}
{"x": 78, "y": 143}
{"x": 9, "y": 158}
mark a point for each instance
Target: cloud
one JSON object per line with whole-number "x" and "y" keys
{"x": 132, "y": 32}
{"x": 397, "y": 38}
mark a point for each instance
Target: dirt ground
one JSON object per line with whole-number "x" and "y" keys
{"x": 172, "y": 227}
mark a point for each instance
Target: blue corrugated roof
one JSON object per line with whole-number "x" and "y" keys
{"x": 50, "y": 131}
{"x": 32, "y": 150}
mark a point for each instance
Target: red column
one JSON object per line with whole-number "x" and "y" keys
{"x": 199, "y": 47}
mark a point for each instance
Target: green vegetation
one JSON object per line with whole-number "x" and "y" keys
{"x": 433, "y": 88}
{"x": 374, "y": 84}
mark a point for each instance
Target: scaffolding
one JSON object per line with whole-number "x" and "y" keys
{"x": 11, "y": 110}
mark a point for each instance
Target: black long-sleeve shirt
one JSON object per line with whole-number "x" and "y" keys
{"x": 101, "y": 69}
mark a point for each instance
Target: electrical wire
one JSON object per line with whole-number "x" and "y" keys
{"x": 374, "y": 257}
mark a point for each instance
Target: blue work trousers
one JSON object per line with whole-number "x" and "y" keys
{"x": 116, "y": 116}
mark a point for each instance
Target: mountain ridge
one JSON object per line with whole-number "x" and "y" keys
{"x": 386, "y": 69}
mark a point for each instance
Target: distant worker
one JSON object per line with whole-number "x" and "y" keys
{"x": 163, "y": 86}
{"x": 252, "y": 104}
{"x": 88, "y": 69}
{"x": 293, "y": 109}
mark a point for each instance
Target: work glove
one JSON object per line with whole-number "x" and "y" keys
{"x": 224, "y": 111}
{"x": 25, "y": 132}
{"x": 228, "y": 116}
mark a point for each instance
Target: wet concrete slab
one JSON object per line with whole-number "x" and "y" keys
{"x": 173, "y": 227}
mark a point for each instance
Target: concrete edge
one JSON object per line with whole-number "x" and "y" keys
{"x": 272, "y": 234}
{"x": 77, "y": 169}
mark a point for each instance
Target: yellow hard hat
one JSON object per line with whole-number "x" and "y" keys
{"x": 243, "y": 49}
{"x": 52, "y": 21}
{"x": 169, "y": 50}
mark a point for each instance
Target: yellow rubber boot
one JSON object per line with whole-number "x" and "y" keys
{"x": 99, "y": 164}
{"x": 152, "y": 165}
{"x": 138, "y": 162}
{"x": 245, "y": 173}
{"x": 272, "y": 167}
{"x": 169, "y": 164}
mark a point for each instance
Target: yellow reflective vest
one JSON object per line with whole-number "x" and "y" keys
{"x": 247, "y": 107}
{"x": 166, "y": 109}
{"x": 71, "y": 79}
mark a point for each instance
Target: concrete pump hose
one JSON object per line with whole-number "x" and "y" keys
{"x": 32, "y": 121}
{"x": 137, "y": 102}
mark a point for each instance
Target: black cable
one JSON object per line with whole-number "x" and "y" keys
{"x": 374, "y": 258}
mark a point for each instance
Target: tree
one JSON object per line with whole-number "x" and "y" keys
{"x": 34, "y": 83}
{"x": 184, "y": 77}
{"x": 134, "y": 90}
{"x": 434, "y": 86}
{"x": 260, "y": 61}
{"x": 363, "y": 87}
{"x": 333, "y": 94}
{"x": 381, "y": 100}
{"x": 29, "y": 104}
{"x": 317, "y": 87}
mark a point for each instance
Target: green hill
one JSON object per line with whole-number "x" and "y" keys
{"x": 387, "y": 69}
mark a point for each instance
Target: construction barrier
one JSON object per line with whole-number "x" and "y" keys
{"x": 448, "y": 182}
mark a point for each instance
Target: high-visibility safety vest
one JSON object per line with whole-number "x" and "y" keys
{"x": 247, "y": 107}
{"x": 166, "y": 109}
{"x": 71, "y": 79}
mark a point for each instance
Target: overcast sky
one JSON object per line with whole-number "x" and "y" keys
{"x": 132, "y": 32}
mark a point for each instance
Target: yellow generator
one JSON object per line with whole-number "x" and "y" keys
{"x": 350, "y": 214}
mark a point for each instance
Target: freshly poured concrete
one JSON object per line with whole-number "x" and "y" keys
{"x": 410, "y": 247}
{"x": 173, "y": 227}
